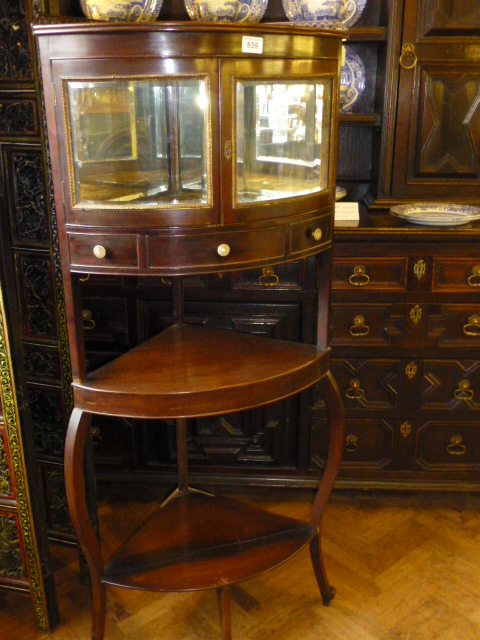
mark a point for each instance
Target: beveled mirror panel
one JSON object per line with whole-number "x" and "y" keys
{"x": 139, "y": 142}
{"x": 282, "y": 138}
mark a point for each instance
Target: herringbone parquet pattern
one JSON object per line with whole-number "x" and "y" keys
{"x": 406, "y": 567}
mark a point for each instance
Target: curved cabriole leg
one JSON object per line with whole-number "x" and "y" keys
{"x": 336, "y": 418}
{"x": 224, "y": 606}
{"x": 77, "y": 432}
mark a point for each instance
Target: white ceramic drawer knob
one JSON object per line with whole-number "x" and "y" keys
{"x": 317, "y": 234}
{"x": 99, "y": 251}
{"x": 223, "y": 250}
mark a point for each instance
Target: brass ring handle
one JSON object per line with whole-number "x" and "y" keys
{"x": 474, "y": 278}
{"x": 359, "y": 277}
{"x": 355, "y": 391}
{"x": 472, "y": 328}
{"x": 351, "y": 443}
{"x": 408, "y": 51}
{"x": 463, "y": 392}
{"x": 268, "y": 278}
{"x": 99, "y": 251}
{"x": 359, "y": 328}
{"x": 317, "y": 234}
{"x": 223, "y": 250}
{"x": 166, "y": 281}
{"x": 456, "y": 446}
{"x": 86, "y": 279}
{"x": 88, "y": 321}
{"x": 96, "y": 436}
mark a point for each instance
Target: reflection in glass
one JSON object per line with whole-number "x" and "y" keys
{"x": 140, "y": 142}
{"x": 283, "y": 138}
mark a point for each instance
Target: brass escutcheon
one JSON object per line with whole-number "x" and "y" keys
{"x": 419, "y": 269}
{"x": 411, "y": 370}
{"x": 359, "y": 277}
{"x": 405, "y": 429}
{"x": 456, "y": 446}
{"x": 416, "y": 314}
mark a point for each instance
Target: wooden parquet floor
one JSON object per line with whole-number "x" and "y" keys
{"x": 406, "y": 567}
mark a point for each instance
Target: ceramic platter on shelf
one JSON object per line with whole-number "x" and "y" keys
{"x": 354, "y": 9}
{"x": 436, "y": 215}
{"x": 352, "y": 80}
{"x": 340, "y": 192}
{"x": 324, "y": 14}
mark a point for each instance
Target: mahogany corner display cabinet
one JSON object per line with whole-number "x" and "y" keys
{"x": 177, "y": 151}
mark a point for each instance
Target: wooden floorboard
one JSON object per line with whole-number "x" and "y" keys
{"x": 406, "y": 567}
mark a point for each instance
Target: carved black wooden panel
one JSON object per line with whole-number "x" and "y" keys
{"x": 5, "y": 477}
{"x": 11, "y": 561}
{"x": 41, "y": 363}
{"x": 47, "y": 419}
{"x": 37, "y": 307}
{"x": 15, "y": 59}
{"x": 28, "y": 200}
{"x": 18, "y": 117}
{"x": 58, "y": 516}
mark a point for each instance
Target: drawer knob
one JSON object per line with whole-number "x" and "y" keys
{"x": 463, "y": 391}
{"x": 359, "y": 277}
{"x": 223, "y": 250}
{"x": 359, "y": 328}
{"x": 317, "y": 234}
{"x": 472, "y": 328}
{"x": 99, "y": 251}
{"x": 456, "y": 446}
{"x": 474, "y": 278}
{"x": 351, "y": 443}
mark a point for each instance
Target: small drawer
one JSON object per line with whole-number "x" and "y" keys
{"x": 380, "y": 274}
{"x": 451, "y": 385}
{"x": 368, "y": 444}
{"x": 104, "y": 251}
{"x": 453, "y": 326}
{"x": 215, "y": 251}
{"x": 308, "y": 236}
{"x": 456, "y": 275}
{"x": 288, "y": 276}
{"x": 380, "y": 325}
{"x": 442, "y": 445}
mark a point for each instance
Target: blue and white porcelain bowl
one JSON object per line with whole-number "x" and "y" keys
{"x": 324, "y": 14}
{"x": 352, "y": 80}
{"x": 121, "y": 10}
{"x": 226, "y": 10}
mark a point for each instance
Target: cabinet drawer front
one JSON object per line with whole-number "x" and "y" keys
{"x": 119, "y": 250}
{"x": 456, "y": 275}
{"x": 379, "y": 325}
{"x": 451, "y": 385}
{"x": 454, "y": 326}
{"x": 380, "y": 274}
{"x": 368, "y": 444}
{"x": 308, "y": 236}
{"x": 287, "y": 276}
{"x": 443, "y": 445}
{"x": 215, "y": 251}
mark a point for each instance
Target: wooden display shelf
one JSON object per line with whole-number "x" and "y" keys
{"x": 197, "y": 541}
{"x": 186, "y": 371}
{"x": 360, "y": 119}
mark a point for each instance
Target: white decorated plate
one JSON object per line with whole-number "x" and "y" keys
{"x": 436, "y": 215}
{"x": 354, "y": 9}
{"x": 340, "y": 192}
{"x": 352, "y": 80}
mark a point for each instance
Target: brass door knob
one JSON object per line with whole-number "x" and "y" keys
{"x": 317, "y": 234}
{"x": 223, "y": 250}
{"x": 99, "y": 251}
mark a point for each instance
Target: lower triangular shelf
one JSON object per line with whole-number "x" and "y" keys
{"x": 197, "y": 541}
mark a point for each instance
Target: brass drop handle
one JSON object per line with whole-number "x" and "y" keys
{"x": 359, "y": 277}
{"x": 268, "y": 278}
{"x": 86, "y": 279}
{"x": 472, "y": 328}
{"x": 317, "y": 234}
{"x": 474, "y": 278}
{"x": 355, "y": 391}
{"x": 223, "y": 250}
{"x": 408, "y": 51}
{"x": 99, "y": 251}
{"x": 359, "y": 328}
{"x": 351, "y": 443}
{"x": 97, "y": 438}
{"x": 463, "y": 391}
{"x": 88, "y": 321}
{"x": 456, "y": 446}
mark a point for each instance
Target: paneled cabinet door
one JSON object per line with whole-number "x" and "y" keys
{"x": 438, "y": 119}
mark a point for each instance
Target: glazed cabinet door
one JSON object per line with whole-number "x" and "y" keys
{"x": 438, "y": 119}
{"x": 139, "y": 141}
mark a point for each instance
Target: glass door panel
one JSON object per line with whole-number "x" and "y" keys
{"x": 139, "y": 143}
{"x": 282, "y": 138}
